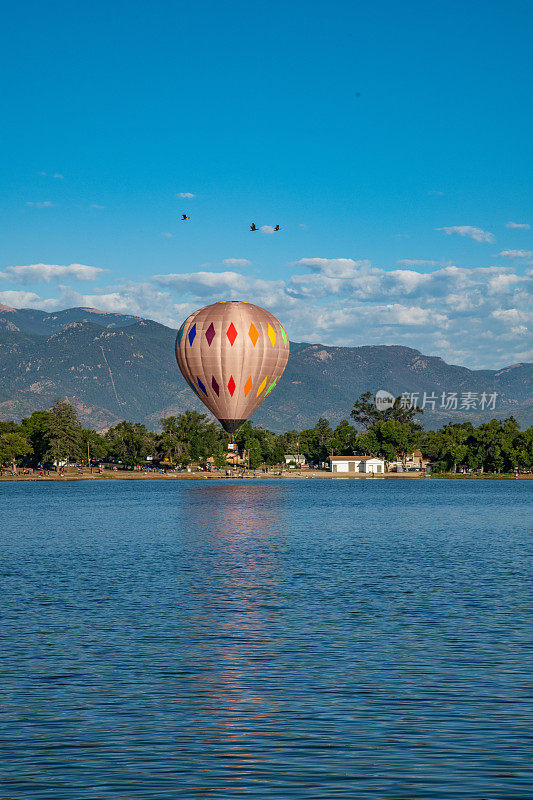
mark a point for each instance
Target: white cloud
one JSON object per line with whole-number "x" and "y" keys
{"x": 202, "y": 284}
{"x": 200, "y": 288}
{"x": 167, "y": 235}
{"x": 41, "y": 204}
{"x": 19, "y": 299}
{"x": 56, "y": 175}
{"x": 333, "y": 267}
{"x": 435, "y": 192}
{"x": 95, "y": 205}
{"x": 138, "y": 299}
{"x": 523, "y": 226}
{"x": 503, "y": 283}
{"x": 477, "y": 317}
{"x": 418, "y": 262}
{"x": 344, "y": 276}
{"x": 267, "y": 229}
{"x": 477, "y": 234}
{"x": 236, "y": 262}
{"x": 515, "y": 254}
{"x": 48, "y": 272}
{"x": 346, "y": 301}
{"x": 514, "y": 314}
{"x": 185, "y": 195}
{"x": 398, "y": 314}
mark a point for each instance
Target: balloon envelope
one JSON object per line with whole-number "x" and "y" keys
{"x": 232, "y": 354}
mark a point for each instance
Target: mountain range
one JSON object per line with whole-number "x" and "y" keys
{"x": 116, "y": 366}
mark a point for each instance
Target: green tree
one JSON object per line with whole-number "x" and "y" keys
{"x": 262, "y": 446}
{"x": 390, "y": 438}
{"x": 63, "y": 433}
{"x": 274, "y": 449}
{"x": 344, "y": 439}
{"x": 386, "y": 433}
{"x": 189, "y": 437}
{"x": 35, "y": 430}
{"x": 291, "y": 442}
{"x": 250, "y": 441}
{"x": 130, "y": 442}
{"x": 522, "y": 454}
{"x": 449, "y": 446}
{"x": 315, "y": 443}
{"x": 170, "y": 444}
{"x": 93, "y": 444}
{"x": 13, "y": 445}
{"x": 495, "y": 443}
{"x": 220, "y": 455}
{"x": 366, "y": 413}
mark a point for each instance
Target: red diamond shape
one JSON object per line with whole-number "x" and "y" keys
{"x": 231, "y": 382}
{"x": 231, "y": 333}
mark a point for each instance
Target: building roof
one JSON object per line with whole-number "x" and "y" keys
{"x": 354, "y": 458}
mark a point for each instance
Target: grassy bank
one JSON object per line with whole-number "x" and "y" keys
{"x": 85, "y": 475}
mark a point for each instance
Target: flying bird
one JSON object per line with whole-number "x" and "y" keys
{"x": 184, "y": 217}
{"x": 253, "y": 227}
{"x": 277, "y": 228}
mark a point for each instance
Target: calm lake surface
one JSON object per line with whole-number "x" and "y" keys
{"x": 265, "y": 639}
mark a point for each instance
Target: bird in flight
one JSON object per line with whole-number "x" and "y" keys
{"x": 253, "y": 227}
{"x": 277, "y": 228}
{"x": 184, "y": 217}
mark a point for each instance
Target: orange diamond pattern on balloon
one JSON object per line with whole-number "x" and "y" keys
{"x": 253, "y": 334}
{"x": 231, "y": 333}
{"x": 235, "y": 377}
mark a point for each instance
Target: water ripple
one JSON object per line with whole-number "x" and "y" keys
{"x": 267, "y": 639}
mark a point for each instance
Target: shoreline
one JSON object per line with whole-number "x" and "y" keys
{"x": 307, "y": 475}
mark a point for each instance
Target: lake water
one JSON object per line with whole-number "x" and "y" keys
{"x": 265, "y": 639}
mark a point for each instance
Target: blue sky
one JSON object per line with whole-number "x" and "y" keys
{"x": 391, "y": 142}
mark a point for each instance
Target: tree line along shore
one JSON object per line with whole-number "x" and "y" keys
{"x": 47, "y": 441}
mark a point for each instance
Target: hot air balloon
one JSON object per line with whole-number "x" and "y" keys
{"x": 232, "y": 354}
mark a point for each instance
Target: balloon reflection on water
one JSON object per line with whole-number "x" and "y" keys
{"x": 236, "y": 530}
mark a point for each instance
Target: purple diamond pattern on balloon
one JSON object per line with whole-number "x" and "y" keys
{"x": 210, "y": 334}
{"x": 216, "y": 387}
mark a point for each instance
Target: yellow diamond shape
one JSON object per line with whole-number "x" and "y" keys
{"x": 248, "y": 386}
{"x": 264, "y": 383}
{"x": 271, "y": 334}
{"x": 253, "y": 334}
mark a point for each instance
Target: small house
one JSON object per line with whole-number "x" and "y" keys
{"x": 298, "y": 460}
{"x": 416, "y": 461}
{"x": 366, "y": 464}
